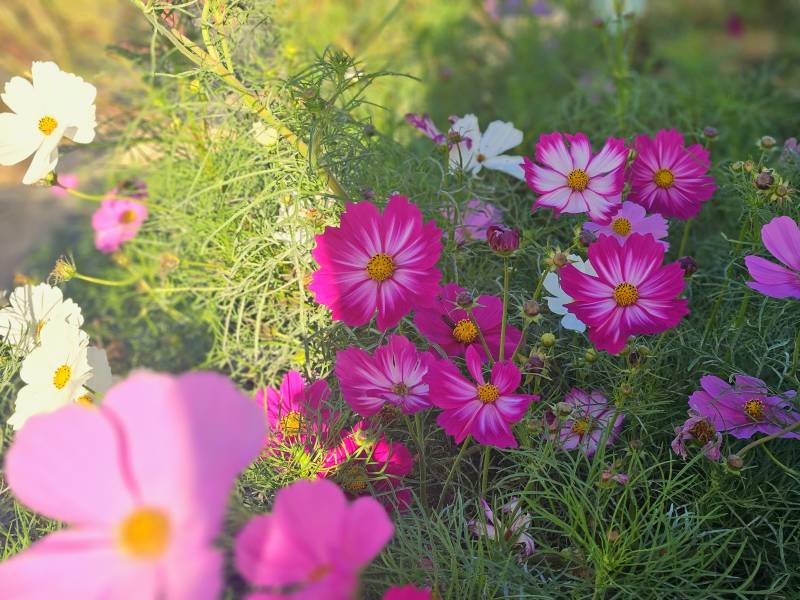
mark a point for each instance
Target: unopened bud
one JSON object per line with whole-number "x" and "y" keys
{"x": 370, "y": 130}
{"x": 534, "y": 365}
{"x": 782, "y": 191}
{"x": 767, "y": 141}
{"x": 464, "y": 299}
{"x": 587, "y": 237}
{"x": 367, "y": 194}
{"x": 737, "y": 166}
{"x": 168, "y": 262}
{"x": 735, "y": 462}
{"x": 689, "y": 265}
{"x": 764, "y": 180}
{"x": 120, "y": 259}
{"x": 531, "y": 308}
{"x": 548, "y": 340}
{"x": 63, "y": 270}
{"x": 503, "y": 240}
{"x": 560, "y": 259}
{"x": 612, "y": 535}
{"x": 562, "y": 409}
{"x": 710, "y": 132}
{"x": 591, "y": 355}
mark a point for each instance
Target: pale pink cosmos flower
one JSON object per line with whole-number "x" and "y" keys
{"x": 574, "y": 180}
{"x": 313, "y": 542}
{"x": 511, "y": 526}
{"x": 632, "y": 218}
{"x": 591, "y": 420}
{"x": 407, "y": 592}
{"x": 143, "y": 482}
{"x": 781, "y": 236}
{"x": 116, "y": 222}
{"x": 474, "y": 220}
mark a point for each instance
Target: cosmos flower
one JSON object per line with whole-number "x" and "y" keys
{"x": 485, "y": 410}
{"x": 486, "y": 149}
{"x": 393, "y": 374}
{"x": 31, "y": 310}
{"x": 425, "y": 124}
{"x": 700, "y": 431}
{"x": 668, "y": 178}
{"x": 559, "y": 299}
{"x": 781, "y": 236}
{"x": 116, "y": 222}
{"x": 143, "y": 482}
{"x": 53, "y": 105}
{"x": 317, "y": 553}
{"x": 575, "y": 181}
{"x": 373, "y": 261}
{"x": 632, "y": 218}
{"x": 474, "y": 221}
{"x": 294, "y": 410}
{"x": 744, "y": 409}
{"x": 590, "y": 420}
{"x": 407, "y": 592}
{"x": 496, "y": 529}
{"x": 633, "y": 292}
{"x": 66, "y": 181}
{"x": 451, "y": 327}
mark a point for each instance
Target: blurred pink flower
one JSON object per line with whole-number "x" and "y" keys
{"x": 781, "y": 237}
{"x": 65, "y": 180}
{"x": 143, "y": 479}
{"x": 116, "y": 222}
{"x": 590, "y": 420}
{"x": 475, "y": 219}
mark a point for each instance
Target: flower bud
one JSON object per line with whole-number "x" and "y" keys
{"x": 63, "y": 270}
{"x": 748, "y": 165}
{"x": 534, "y": 365}
{"x": 531, "y": 308}
{"x": 764, "y": 180}
{"x": 120, "y": 259}
{"x": 590, "y": 356}
{"x": 767, "y": 141}
{"x": 464, "y": 299}
{"x": 737, "y": 166}
{"x": 503, "y": 240}
{"x": 689, "y": 265}
{"x": 370, "y": 130}
{"x": 782, "y": 191}
{"x": 587, "y": 237}
{"x": 710, "y": 132}
{"x": 562, "y": 409}
{"x": 735, "y": 462}
{"x": 367, "y": 194}
{"x": 560, "y": 259}
{"x": 167, "y": 263}
{"x": 548, "y": 340}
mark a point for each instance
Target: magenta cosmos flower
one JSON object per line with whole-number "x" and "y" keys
{"x": 668, "y": 178}
{"x": 366, "y": 461}
{"x": 373, "y": 261}
{"x": 295, "y": 410}
{"x": 781, "y": 236}
{"x": 407, "y": 592}
{"x": 575, "y": 181}
{"x": 484, "y": 410}
{"x": 393, "y": 374}
{"x": 590, "y": 420}
{"x": 697, "y": 430}
{"x": 143, "y": 481}
{"x": 313, "y": 542}
{"x": 451, "y": 327}
{"x": 744, "y": 409}
{"x": 632, "y": 218}
{"x": 474, "y": 220}
{"x": 633, "y": 292}
{"x": 116, "y": 222}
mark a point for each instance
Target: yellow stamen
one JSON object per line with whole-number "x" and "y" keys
{"x": 47, "y": 125}
{"x": 621, "y": 226}
{"x": 577, "y": 180}
{"x": 352, "y": 477}
{"x": 145, "y": 533}
{"x": 626, "y": 294}
{"x": 128, "y": 217}
{"x": 401, "y": 389}
{"x": 580, "y": 426}
{"x": 664, "y": 178}
{"x": 85, "y": 400}
{"x": 480, "y": 158}
{"x": 754, "y": 408}
{"x": 380, "y": 267}
{"x": 488, "y": 393}
{"x": 465, "y": 331}
{"x": 292, "y": 424}
{"x": 62, "y": 376}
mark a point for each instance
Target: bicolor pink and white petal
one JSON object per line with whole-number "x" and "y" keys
{"x": 375, "y": 262}
{"x": 573, "y": 180}
{"x": 633, "y": 292}
{"x": 781, "y": 237}
{"x": 632, "y": 218}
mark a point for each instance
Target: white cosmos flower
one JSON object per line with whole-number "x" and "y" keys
{"x": 486, "y": 149}
{"x": 55, "y": 105}
{"x": 31, "y": 309}
{"x": 559, "y": 297}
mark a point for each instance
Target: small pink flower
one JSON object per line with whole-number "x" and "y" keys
{"x": 668, "y": 178}
{"x": 393, "y": 374}
{"x": 373, "y": 261}
{"x": 116, "y": 222}
{"x": 485, "y": 410}
{"x": 426, "y": 126}
{"x": 591, "y": 419}
{"x": 632, "y": 218}
{"x": 476, "y": 218}
{"x": 295, "y": 410}
{"x": 503, "y": 240}
{"x": 697, "y": 430}
{"x": 407, "y": 592}
{"x": 313, "y": 542}
{"x": 66, "y": 181}
{"x": 142, "y": 479}
{"x": 744, "y": 409}
{"x": 366, "y": 461}
{"x": 575, "y": 181}
{"x": 451, "y": 327}
{"x": 781, "y": 236}
{"x": 512, "y": 526}
{"x": 633, "y": 292}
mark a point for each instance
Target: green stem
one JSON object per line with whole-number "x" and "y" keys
{"x": 487, "y": 450}
{"x": 453, "y": 470}
{"x": 107, "y": 282}
{"x": 480, "y": 336}
{"x": 423, "y": 483}
{"x": 754, "y": 444}
{"x": 506, "y": 278}
{"x": 685, "y": 238}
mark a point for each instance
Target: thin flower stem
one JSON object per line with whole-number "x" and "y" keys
{"x": 480, "y": 336}
{"x": 487, "y": 450}
{"x": 685, "y": 238}
{"x": 506, "y": 278}
{"x": 423, "y": 483}
{"x": 767, "y": 438}
{"x": 453, "y": 470}
{"x": 107, "y": 282}
{"x": 81, "y": 195}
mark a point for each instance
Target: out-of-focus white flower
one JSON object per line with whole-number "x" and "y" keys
{"x": 31, "y": 310}
{"x": 512, "y": 526}
{"x": 54, "y": 105}
{"x": 478, "y": 150}
{"x": 559, "y": 298}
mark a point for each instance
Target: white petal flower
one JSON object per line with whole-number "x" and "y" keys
{"x": 53, "y": 105}
{"x": 486, "y": 149}
{"x": 31, "y": 309}
{"x": 55, "y": 373}
{"x": 559, "y": 297}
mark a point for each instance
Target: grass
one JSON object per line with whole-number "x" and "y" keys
{"x": 224, "y": 260}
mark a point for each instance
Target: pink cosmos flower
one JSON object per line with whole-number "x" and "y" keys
{"x": 116, "y": 222}
{"x": 590, "y": 420}
{"x": 393, "y": 374}
{"x": 632, "y": 293}
{"x": 668, "y": 178}
{"x": 781, "y": 236}
{"x": 476, "y": 218}
{"x": 485, "y": 410}
{"x": 142, "y": 479}
{"x": 697, "y": 430}
{"x": 451, "y": 327}
{"x": 407, "y": 592}
{"x": 373, "y": 261}
{"x": 425, "y": 124}
{"x": 366, "y": 461}
{"x": 632, "y": 218}
{"x": 66, "y": 181}
{"x": 294, "y": 410}
{"x": 313, "y": 542}
{"x": 513, "y": 530}
{"x": 575, "y": 181}
{"x": 744, "y": 409}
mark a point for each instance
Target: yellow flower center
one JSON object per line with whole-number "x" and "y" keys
{"x": 61, "y": 376}
{"x": 626, "y": 294}
{"x": 621, "y": 226}
{"x": 488, "y": 393}
{"x": 664, "y": 178}
{"x": 353, "y": 477}
{"x": 145, "y": 533}
{"x": 754, "y": 408}
{"x": 292, "y": 424}
{"x": 129, "y": 216}
{"x": 580, "y": 426}
{"x": 319, "y": 573}
{"x": 465, "y": 331}
{"x": 481, "y": 158}
{"x": 577, "y": 180}
{"x": 380, "y": 267}
{"x": 85, "y": 400}
{"x": 401, "y": 389}
{"x": 47, "y": 125}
